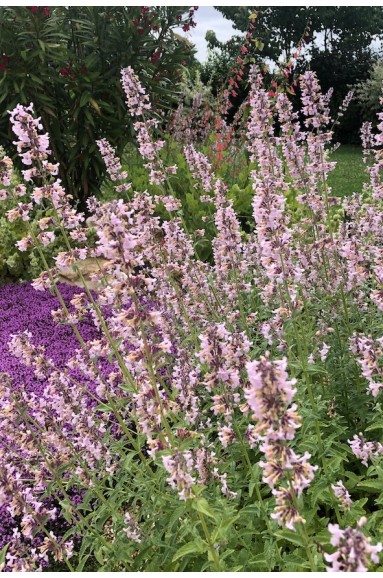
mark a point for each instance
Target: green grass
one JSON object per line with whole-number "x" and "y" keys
{"x": 349, "y": 175}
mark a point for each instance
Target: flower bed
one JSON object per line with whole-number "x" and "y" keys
{"x": 238, "y": 427}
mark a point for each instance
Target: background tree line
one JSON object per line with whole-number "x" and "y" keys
{"x": 342, "y": 46}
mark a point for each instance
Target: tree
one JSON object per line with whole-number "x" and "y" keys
{"x": 278, "y": 28}
{"x": 67, "y": 61}
{"x": 345, "y": 28}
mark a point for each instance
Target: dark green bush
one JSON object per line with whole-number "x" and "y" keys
{"x": 67, "y": 61}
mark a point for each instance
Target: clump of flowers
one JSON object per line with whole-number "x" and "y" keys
{"x": 365, "y": 450}
{"x": 368, "y": 352}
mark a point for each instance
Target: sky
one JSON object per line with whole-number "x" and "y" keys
{"x": 208, "y": 18}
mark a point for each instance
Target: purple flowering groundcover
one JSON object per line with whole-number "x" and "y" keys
{"x": 24, "y": 309}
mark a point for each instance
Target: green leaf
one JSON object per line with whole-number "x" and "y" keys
{"x": 2, "y": 556}
{"x": 201, "y": 505}
{"x": 374, "y": 486}
{"x": 220, "y": 532}
{"x": 375, "y": 426}
{"x": 126, "y": 465}
{"x": 95, "y": 105}
{"x": 197, "y": 546}
{"x": 85, "y": 98}
{"x": 81, "y": 564}
{"x": 103, "y": 407}
{"x": 290, "y": 536}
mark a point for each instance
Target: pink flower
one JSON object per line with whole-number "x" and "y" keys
{"x": 137, "y": 100}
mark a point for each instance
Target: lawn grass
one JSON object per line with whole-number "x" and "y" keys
{"x": 349, "y": 175}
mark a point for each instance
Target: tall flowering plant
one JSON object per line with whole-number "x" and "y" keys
{"x": 193, "y": 431}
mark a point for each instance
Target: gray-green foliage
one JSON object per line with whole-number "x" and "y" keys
{"x": 369, "y": 92}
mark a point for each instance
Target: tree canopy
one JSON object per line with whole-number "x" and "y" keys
{"x": 345, "y": 28}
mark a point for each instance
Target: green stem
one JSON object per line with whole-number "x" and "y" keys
{"x": 213, "y": 551}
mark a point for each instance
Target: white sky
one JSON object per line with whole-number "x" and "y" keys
{"x": 208, "y": 18}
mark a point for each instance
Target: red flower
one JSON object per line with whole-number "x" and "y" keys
{"x": 244, "y": 50}
{"x": 65, "y": 71}
{"x": 46, "y": 11}
{"x": 33, "y": 9}
{"x": 155, "y": 57}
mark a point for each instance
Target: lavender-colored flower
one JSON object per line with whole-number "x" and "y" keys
{"x": 6, "y": 170}
{"x": 27, "y": 130}
{"x": 136, "y": 98}
{"x": 342, "y": 494}
{"x": 365, "y": 450}
{"x": 113, "y": 164}
{"x": 132, "y": 529}
{"x": 269, "y": 396}
{"x": 180, "y": 466}
{"x": 354, "y": 551}
{"x": 200, "y": 167}
{"x": 25, "y": 311}
{"x": 367, "y": 352}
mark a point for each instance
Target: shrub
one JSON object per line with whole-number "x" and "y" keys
{"x": 67, "y": 60}
{"x": 369, "y": 92}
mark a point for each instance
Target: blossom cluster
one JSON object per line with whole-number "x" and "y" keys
{"x": 354, "y": 551}
{"x": 269, "y": 396}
